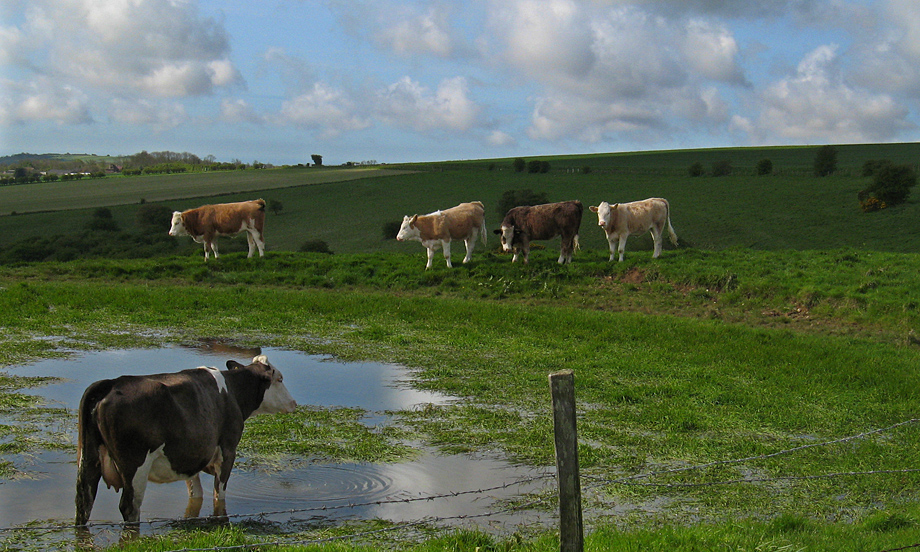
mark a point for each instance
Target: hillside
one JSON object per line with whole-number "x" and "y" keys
{"x": 790, "y": 209}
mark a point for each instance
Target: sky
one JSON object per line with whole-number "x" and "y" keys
{"x": 277, "y": 81}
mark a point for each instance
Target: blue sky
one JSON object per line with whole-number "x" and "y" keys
{"x": 393, "y": 81}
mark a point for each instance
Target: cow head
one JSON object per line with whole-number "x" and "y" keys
{"x": 603, "y": 213}
{"x": 178, "y": 226}
{"x": 408, "y": 230}
{"x": 509, "y": 235}
{"x": 277, "y": 398}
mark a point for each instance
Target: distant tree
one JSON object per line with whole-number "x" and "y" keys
{"x": 315, "y": 246}
{"x": 516, "y": 198}
{"x": 154, "y": 217}
{"x": 317, "y": 160}
{"x": 722, "y": 168}
{"x": 519, "y": 164}
{"x": 891, "y": 185}
{"x": 390, "y": 229}
{"x": 825, "y": 161}
{"x": 102, "y": 220}
{"x": 764, "y": 167}
{"x": 871, "y": 167}
{"x": 586, "y": 169}
{"x": 275, "y": 206}
{"x": 696, "y": 169}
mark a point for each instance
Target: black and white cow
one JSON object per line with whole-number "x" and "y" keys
{"x": 169, "y": 427}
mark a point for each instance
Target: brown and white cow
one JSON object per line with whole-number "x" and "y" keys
{"x": 435, "y": 230}
{"x": 623, "y": 219}
{"x": 523, "y": 224}
{"x": 169, "y": 427}
{"x": 207, "y": 222}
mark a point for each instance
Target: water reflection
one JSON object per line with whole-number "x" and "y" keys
{"x": 314, "y": 492}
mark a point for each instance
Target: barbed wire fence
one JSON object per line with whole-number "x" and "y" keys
{"x": 595, "y": 483}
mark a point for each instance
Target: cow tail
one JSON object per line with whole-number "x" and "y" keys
{"x": 89, "y": 439}
{"x": 671, "y": 234}
{"x": 483, "y": 232}
{"x": 576, "y": 244}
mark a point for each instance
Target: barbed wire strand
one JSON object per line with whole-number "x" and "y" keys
{"x": 322, "y": 508}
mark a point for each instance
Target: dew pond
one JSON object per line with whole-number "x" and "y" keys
{"x": 292, "y": 496}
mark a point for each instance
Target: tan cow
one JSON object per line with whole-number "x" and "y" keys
{"x": 436, "y": 230}
{"x": 205, "y": 223}
{"x": 623, "y": 219}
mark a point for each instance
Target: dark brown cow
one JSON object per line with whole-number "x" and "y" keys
{"x": 542, "y": 222}
{"x": 207, "y": 222}
{"x": 169, "y": 427}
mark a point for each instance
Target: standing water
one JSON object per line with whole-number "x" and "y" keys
{"x": 314, "y": 493}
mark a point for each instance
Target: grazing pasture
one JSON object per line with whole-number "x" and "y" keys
{"x": 787, "y": 319}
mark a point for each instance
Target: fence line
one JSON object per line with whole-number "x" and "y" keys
{"x": 598, "y": 482}
{"x": 323, "y": 508}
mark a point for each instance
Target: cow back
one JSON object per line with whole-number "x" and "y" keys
{"x": 546, "y": 221}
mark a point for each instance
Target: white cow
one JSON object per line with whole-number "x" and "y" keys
{"x": 620, "y": 220}
{"x": 436, "y": 230}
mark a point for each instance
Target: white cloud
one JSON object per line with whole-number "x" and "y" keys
{"x": 427, "y": 33}
{"x": 408, "y": 103}
{"x": 500, "y": 138}
{"x": 147, "y": 46}
{"x": 158, "y": 115}
{"x": 323, "y": 108}
{"x": 238, "y": 111}
{"x": 818, "y": 105}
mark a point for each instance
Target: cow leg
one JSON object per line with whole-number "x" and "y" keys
{"x": 656, "y": 237}
{"x": 430, "y": 257}
{"x": 195, "y": 497}
{"x": 252, "y": 244}
{"x": 446, "y": 246}
{"x": 206, "y": 248}
{"x": 214, "y": 249}
{"x": 260, "y": 242}
{"x": 88, "y": 474}
{"x": 470, "y": 245}
{"x": 622, "y": 247}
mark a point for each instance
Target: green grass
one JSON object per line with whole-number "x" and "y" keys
{"x": 790, "y": 210}
{"x": 785, "y": 320}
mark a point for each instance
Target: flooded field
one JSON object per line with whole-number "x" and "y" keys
{"x": 309, "y": 494}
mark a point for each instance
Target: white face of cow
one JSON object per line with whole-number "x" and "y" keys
{"x": 277, "y": 397}
{"x": 407, "y": 231}
{"x": 507, "y": 234}
{"x": 603, "y": 214}
{"x": 177, "y": 228}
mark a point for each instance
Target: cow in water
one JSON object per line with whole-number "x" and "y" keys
{"x": 169, "y": 427}
{"x": 436, "y": 230}
{"x": 620, "y": 220}
{"x": 523, "y": 224}
{"x": 204, "y": 224}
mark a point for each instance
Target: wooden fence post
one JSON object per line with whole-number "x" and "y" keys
{"x": 571, "y": 532}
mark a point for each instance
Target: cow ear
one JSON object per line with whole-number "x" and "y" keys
{"x": 234, "y": 365}
{"x": 593, "y": 208}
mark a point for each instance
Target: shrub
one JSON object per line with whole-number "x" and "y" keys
{"x": 516, "y": 198}
{"x": 390, "y": 229}
{"x": 871, "y": 204}
{"x": 586, "y": 170}
{"x": 872, "y": 166}
{"x": 536, "y": 166}
{"x": 892, "y": 184}
{"x": 275, "y": 206}
{"x": 519, "y": 164}
{"x": 696, "y": 169}
{"x": 825, "y": 161}
{"x": 722, "y": 168}
{"x": 154, "y": 217}
{"x": 764, "y": 167}
{"x": 315, "y": 246}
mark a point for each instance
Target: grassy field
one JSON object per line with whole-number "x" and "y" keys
{"x": 788, "y": 210}
{"x": 784, "y": 325}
